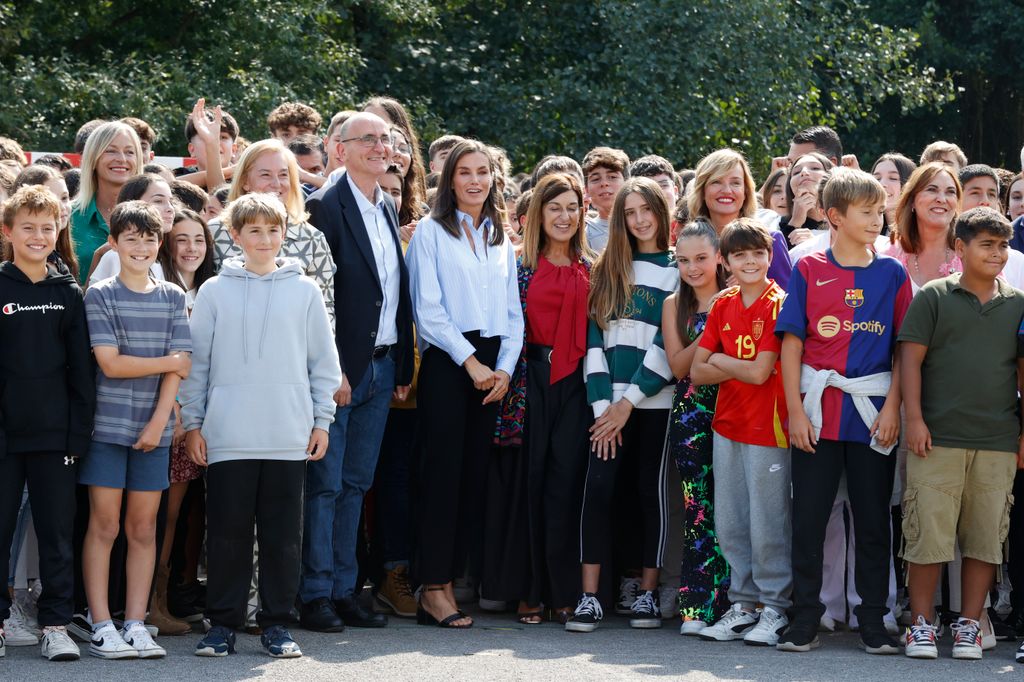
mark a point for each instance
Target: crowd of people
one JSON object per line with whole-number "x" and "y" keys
{"x": 239, "y": 395}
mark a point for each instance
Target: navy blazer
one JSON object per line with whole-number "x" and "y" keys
{"x": 358, "y": 295}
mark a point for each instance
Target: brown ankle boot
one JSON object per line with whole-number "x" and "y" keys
{"x": 158, "y": 613}
{"x": 396, "y": 594}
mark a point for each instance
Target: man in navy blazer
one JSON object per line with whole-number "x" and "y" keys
{"x": 375, "y": 343}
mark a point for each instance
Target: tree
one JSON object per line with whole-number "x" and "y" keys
{"x": 64, "y": 63}
{"x": 975, "y": 45}
{"x": 679, "y": 79}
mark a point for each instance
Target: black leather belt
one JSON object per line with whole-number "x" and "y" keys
{"x": 380, "y": 351}
{"x": 539, "y": 353}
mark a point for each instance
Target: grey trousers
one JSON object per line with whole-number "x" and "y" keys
{"x": 753, "y": 504}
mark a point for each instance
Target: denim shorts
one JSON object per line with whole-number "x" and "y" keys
{"x": 121, "y": 466}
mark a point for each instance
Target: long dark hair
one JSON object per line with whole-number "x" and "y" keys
{"x": 400, "y": 119}
{"x": 414, "y": 187}
{"x": 444, "y": 201}
{"x": 686, "y": 297}
{"x": 206, "y": 269}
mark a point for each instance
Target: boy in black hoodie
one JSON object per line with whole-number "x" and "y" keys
{"x": 47, "y": 397}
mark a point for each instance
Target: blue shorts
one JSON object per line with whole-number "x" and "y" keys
{"x": 121, "y": 466}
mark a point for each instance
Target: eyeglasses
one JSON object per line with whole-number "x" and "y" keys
{"x": 372, "y": 140}
{"x": 404, "y": 149}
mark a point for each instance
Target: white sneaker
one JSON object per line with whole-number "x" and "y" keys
{"x": 692, "y": 627}
{"x": 827, "y": 624}
{"x": 19, "y": 633}
{"x": 733, "y": 625}
{"x": 629, "y": 590}
{"x": 769, "y": 626}
{"x": 108, "y": 643}
{"x": 892, "y": 628}
{"x": 58, "y": 646}
{"x": 138, "y": 637}
{"x": 967, "y": 639}
{"x": 919, "y": 640}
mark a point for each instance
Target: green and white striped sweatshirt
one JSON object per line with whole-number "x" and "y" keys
{"x": 628, "y": 360}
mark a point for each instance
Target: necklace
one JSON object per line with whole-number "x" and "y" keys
{"x": 948, "y": 258}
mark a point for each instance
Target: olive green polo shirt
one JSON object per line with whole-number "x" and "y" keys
{"x": 89, "y": 231}
{"x": 969, "y": 375}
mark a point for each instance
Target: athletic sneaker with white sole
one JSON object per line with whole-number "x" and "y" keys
{"x": 58, "y": 645}
{"x": 769, "y": 626}
{"x": 108, "y": 643}
{"x": 3, "y": 644}
{"x": 279, "y": 643}
{"x": 692, "y": 628}
{"x": 967, "y": 639}
{"x": 919, "y": 640}
{"x": 219, "y": 641}
{"x": 138, "y": 637}
{"x": 629, "y": 590}
{"x": 733, "y": 625}
{"x": 587, "y": 616}
{"x": 17, "y": 633}
{"x": 646, "y": 611}
{"x": 799, "y": 637}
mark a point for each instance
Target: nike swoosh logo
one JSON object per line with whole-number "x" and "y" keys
{"x": 775, "y": 467}
{"x": 821, "y": 283}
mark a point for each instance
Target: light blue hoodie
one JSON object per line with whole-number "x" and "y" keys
{"x": 264, "y": 364}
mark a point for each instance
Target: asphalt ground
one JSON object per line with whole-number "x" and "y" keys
{"x": 499, "y": 648}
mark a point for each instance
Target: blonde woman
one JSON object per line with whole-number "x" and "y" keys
{"x": 723, "y": 190}
{"x": 111, "y": 156}
{"x": 268, "y": 166}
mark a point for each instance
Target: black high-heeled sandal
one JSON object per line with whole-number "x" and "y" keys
{"x": 424, "y": 618}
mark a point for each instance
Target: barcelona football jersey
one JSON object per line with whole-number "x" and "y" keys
{"x": 747, "y": 413}
{"x": 848, "y": 319}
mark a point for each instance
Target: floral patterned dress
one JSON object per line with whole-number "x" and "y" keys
{"x": 704, "y": 574}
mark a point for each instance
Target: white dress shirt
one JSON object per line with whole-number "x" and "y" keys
{"x": 457, "y": 288}
{"x": 385, "y": 255}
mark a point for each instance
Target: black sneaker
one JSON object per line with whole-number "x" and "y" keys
{"x": 875, "y": 640}
{"x": 646, "y": 611}
{"x": 799, "y": 637}
{"x": 587, "y": 615}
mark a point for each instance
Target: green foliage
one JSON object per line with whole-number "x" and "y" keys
{"x": 62, "y": 64}
{"x": 535, "y": 76}
{"x": 977, "y": 46}
{"x": 679, "y": 79}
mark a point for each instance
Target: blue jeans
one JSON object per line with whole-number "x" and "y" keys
{"x": 336, "y": 484}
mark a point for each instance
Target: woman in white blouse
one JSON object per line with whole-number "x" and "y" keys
{"x": 470, "y": 326}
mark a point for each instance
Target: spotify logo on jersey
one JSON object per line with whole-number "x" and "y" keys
{"x": 828, "y": 326}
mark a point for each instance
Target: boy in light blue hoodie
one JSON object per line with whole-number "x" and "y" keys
{"x": 256, "y": 407}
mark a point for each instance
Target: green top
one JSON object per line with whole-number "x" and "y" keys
{"x": 89, "y": 231}
{"x": 969, "y": 374}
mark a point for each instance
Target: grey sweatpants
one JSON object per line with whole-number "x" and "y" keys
{"x": 753, "y": 505}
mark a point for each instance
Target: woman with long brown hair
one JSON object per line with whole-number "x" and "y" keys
{"x": 628, "y": 382}
{"x": 554, "y": 281}
{"x": 470, "y": 325}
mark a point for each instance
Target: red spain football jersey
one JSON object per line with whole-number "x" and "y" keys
{"x": 747, "y": 413}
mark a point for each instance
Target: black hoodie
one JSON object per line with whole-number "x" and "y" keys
{"x": 47, "y": 377}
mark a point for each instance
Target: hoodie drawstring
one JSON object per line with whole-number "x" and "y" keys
{"x": 266, "y": 313}
{"x": 245, "y": 325}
